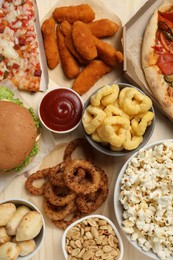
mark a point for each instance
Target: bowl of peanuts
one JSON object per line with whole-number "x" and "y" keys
{"x": 22, "y": 229}
{"x": 143, "y": 200}
{"x": 118, "y": 119}
{"x": 92, "y": 237}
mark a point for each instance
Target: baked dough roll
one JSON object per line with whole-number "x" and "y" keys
{"x": 9, "y": 251}
{"x": 7, "y": 211}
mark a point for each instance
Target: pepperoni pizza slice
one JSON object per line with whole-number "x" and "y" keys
{"x": 157, "y": 55}
{"x": 19, "y": 53}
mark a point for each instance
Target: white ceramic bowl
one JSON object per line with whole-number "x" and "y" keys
{"x": 106, "y": 150}
{"x": 60, "y": 110}
{"x": 40, "y": 237}
{"x": 118, "y": 208}
{"x": 89, "y": 217}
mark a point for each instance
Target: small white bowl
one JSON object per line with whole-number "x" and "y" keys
{"x": 90, "y": 217}
{"x": 60, "y": 110}
{"x": 40, "y": 237}
{"x": 118, "y": 208}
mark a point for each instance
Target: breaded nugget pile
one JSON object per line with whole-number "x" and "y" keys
{"x": 73, "y": 36}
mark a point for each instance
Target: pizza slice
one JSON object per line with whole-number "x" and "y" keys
{"x": 157, "y": 55}
{"x": 19, "y": 52}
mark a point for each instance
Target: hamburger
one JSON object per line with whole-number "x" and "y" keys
{"x": 19, "y": 130}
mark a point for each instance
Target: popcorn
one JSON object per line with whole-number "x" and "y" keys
{"x": 147, "y": 198}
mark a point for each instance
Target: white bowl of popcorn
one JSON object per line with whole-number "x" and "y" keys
{"x": 91, "y": 237}
{"x": 22, "y": 229}
{"x": 143, "y": 198}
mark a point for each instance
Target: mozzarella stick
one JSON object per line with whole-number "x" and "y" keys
{"x": 71, "y": 14}
{"x": 68, "y": 62}
{"x": 103, "y": 28}
{"x": 66, "y": 29}
{"x": 83, "y": 41}
{"x": 50, "y": 44}
{"x": 108, "y": 53}
{"x": 89, "y": 76}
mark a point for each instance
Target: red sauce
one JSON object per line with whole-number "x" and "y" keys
{"x": 61, "y": 109}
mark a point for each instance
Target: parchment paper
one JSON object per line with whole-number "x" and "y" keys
{"x": 46, "y": 143}
{"x": 101, "y": 11}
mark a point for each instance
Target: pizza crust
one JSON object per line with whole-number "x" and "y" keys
{"x": 159, "y": 88}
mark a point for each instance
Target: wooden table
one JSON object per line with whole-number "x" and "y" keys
{"x": 51, "y": 248}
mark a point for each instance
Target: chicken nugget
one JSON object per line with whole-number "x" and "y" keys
{"x": 83, "y": 41}
{"x": 68, "y": 62}
{"x": 72, "y": 13}
{"x": 50, "y": 43}
{"x": 108, "y": 53}
{"x": 66, "y": 29}
{"x": 103, "y": 28}
{"x": 89, "y": 76}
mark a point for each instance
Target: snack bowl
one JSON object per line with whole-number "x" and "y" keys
{"x": 60, "y": 110}
{"x": 104, "y": 148}
{"x": 39, "y": 238}
{"x": 92, "y": 223}
{"x": 126, "y": 202}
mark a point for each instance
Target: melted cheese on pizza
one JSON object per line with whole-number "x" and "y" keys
{"x": 19, "y": 53}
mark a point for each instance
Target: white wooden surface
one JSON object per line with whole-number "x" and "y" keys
{"x": 51, "y": 248}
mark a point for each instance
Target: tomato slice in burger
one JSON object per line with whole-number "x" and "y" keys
{"x": 165, "y": 63}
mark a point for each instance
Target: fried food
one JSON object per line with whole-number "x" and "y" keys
{"x": 41, "y": 174}
{"x": 68, "y": 62}
{"x": 89, "y": 76}
{"x": 103, "y": 28}
{"x": 71, "y": 14}
{"x": 78, "y": 142}
{"x": 90, "y": 202}
{"x": 66, "y": 29}
{"x": 83, "y": 40}
{"x": 50, "y": 44}
{"x": 56, "y": 212}
{"x": 89, "y": 184}
{"x": 108, "y": 53}
{"x": 69, "y": 183}
{"x": 59, "y": 195}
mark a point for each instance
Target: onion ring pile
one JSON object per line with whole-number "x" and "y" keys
{"x": 72, "y": 188}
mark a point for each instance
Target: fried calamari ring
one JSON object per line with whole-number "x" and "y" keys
{"x": 132, "y": 142}
{"x": 78, "y": 142}
{"x": 140, "y": 122}
{"x": 56, "y": 212}
{"x": 40, "y": 174}
{"x": 134, "y": 102}
{"x": 92, "y": 118}
{"x": 113, "y": 130}
{"x": 105, "y": 96}
{"x": 90, "y": 202}
{"x": 89, "y": 184}
{"x": 64, "y": 223}
{"x": 58, "y": 195}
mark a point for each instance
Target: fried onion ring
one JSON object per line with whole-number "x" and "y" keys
{"x": 87, "y": 185}
{"x": 58, "y": 195}
{"x": 78, "y": 142}
{"x": 90, "y": 202}
{"x": 56, "y": 175}
{"x": 56, "y": 212}
{"x": 63, "y": 224}
{"x": 40, "y": 174}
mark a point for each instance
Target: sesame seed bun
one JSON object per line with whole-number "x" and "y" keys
{"x": 17, "y": 134}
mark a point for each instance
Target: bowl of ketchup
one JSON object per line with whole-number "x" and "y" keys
{"x": 60, "y": 110}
